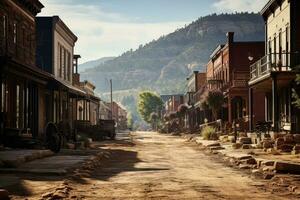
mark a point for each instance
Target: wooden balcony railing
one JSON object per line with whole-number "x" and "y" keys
{"x": 275, "y": 62}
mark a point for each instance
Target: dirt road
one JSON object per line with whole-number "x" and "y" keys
{"x": 153, "y": 166}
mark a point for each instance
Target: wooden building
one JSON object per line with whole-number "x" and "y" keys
{"x": 55, "y": 55}
{"x": 275, "y": 72}
{"x": 23, "y": 85}
{"x": 195, "y": 83}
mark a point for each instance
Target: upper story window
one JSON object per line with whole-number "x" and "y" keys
{"x": 15, "y": 32}
{"x": 4, "y": 25}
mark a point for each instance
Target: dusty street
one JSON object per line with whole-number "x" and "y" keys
{"x": 153, "y": 166}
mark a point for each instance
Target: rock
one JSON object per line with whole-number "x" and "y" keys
{"x": 243, "y": 157}
{"x": 58, "y": 195}
{"x": 214, "y": 136}
{"x": 296, "y": 149}
{"x": 279, "y": 142}
{"x": 257, "y": 173}
{"x": 268, "y": 176}
{"x": 269, "y": 163}
{"x": 293, "y": 188}
{"x": 268, "y": 169}
{"x": 216, "y": 148}
{"x": 289, "y": 139}
{"x": 231, "y": 138}
{"x": 237, "y": 145}
{"x": 215, "y": 144}
{"x": 297, "y": 138}
{"x": 223, "y": 138}
{"x": 244, "y": 166}
{"x": 245, "y": 140}
{"x": 250, "y": 161}
{"x": 47, "y": 195}
{"x": 267, "y": 144}
{"x": 286, "y": 148}
{"x": 242, "y": 134}
{"x": 246, "y": 146}
{"x": 286, "y": 167}
{"x": 4, "y": 195}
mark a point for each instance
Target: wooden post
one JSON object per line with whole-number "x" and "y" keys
{"x": 275, "y": 104}
{"x": 251, "y": 128}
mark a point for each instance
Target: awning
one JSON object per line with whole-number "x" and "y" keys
{"x": 70, "y": 87}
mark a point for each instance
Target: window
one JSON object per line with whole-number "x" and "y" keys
{"x": 15, "y": 32}
{"x": 62, "y": 67}
{"x": 275, "y": 50}
{"x": 2, "y": 97}
{"x": 69, "y": 66}
{"x": 280, "y": 45}
{"x": 4, "y": 26}
{"x": 17, "y": 106}
{"x": 58, "y": 60}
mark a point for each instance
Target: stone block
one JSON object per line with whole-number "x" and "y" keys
{"x": 268, "y": 176}
{"x": 289, "y": 139}
{"x": 245, "y": 140}
{"x": 268, "y": 169}
{"x": 257, "y": 173}
{"x": 223, "y": 138}
{"x": 244, "y": 166}
{"x": 297, "y": 138}
{"x": 216, "y": 148}
{"x": 269, "y": 163}
{"x": 236, "y": 145}
{"x": 267, "y": 144}
{"x": 231, "y": 138}
{"x": 242, "y": 134}
{"x": 285, "y": 148}
{"x": 287, "y": 167}
{"x": 216, "y": 144}
{"x": 250, "y": 161}
{"x": 246, "y": 146}
{"x": 279, "y": 142}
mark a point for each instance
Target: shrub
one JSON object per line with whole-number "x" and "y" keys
{"x": 208, "y": 133}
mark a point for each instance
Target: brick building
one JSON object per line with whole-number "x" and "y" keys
{"x": 228, "y": 71}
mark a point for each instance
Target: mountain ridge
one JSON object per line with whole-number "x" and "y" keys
{"x": 162, "y": 65}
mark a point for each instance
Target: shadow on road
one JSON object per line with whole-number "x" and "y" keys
{"x": 119, "y": 161}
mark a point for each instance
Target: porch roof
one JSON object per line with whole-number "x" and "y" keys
{"x": 70, "y": 87}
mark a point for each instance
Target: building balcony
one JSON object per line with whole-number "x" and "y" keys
{"x": 273, "y": 63}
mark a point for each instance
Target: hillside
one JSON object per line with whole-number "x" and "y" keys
{"x": 163, "y": 65}
{"x": 94, "y": 63}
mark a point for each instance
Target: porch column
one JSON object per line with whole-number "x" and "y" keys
{"x": 251, "y": 128}
{"x": 229, "y": 109}
{"x": 275, "y": 104}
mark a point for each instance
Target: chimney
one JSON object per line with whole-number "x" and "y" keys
{"x": 230, "y": 37}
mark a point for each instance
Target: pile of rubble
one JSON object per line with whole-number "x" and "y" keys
{"x": 284, "y": 143}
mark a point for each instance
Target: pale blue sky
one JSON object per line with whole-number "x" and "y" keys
{"x": 110, "y": 27}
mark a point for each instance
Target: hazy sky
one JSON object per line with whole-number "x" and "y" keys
{"x": 111, "y": 27}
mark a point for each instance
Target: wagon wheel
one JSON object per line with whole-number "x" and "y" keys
{"x": 53, "y": 138}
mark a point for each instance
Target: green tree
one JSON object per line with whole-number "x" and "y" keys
{"x": 215, "y": 101}
{"x": 130, "y": 121}
{"x": 149, "y": 102}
